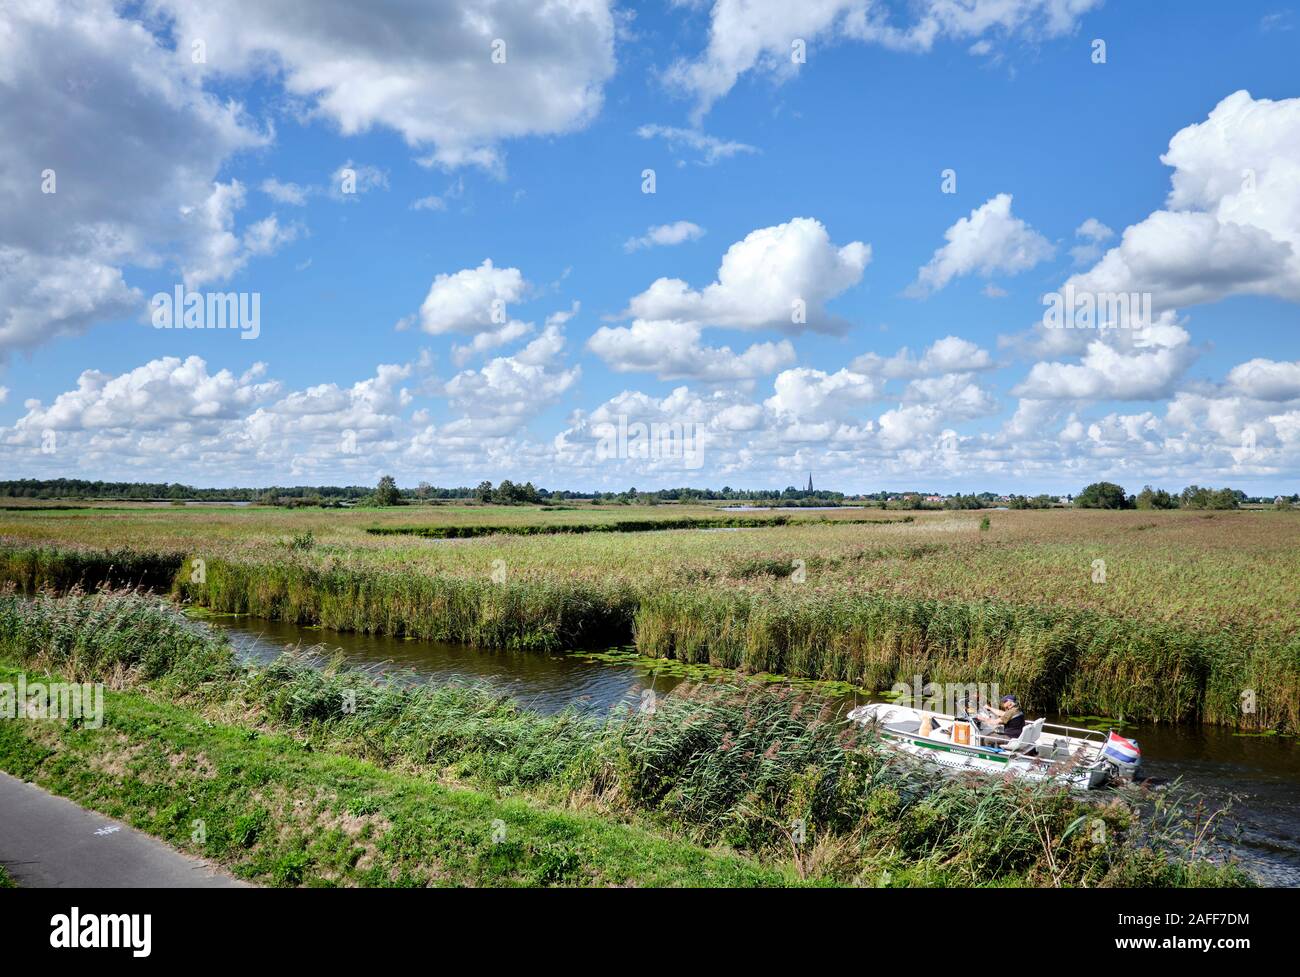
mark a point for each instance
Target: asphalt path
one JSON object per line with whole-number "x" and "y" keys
{"x": 49, "y": 842}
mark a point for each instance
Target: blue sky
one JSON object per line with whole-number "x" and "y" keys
{"x": 536, "y": 166}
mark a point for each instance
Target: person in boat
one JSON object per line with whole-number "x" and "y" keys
{"x": 1009, "y": 718}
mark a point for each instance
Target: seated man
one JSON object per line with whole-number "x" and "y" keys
{"x": 1008, "y": 720}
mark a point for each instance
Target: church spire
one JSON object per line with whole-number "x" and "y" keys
{"x": 810, "y": 488}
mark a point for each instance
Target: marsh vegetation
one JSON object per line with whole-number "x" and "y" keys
{"x": 1175, "y": 616}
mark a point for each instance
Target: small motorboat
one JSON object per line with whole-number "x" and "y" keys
{"x": 1083, "y": 759}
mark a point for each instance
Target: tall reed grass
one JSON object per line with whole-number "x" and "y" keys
{"x": 117, "y": 637}
{"x": 530, "y": 615}
{"x": 1057, "y": 658}
{"x": 36, "y": 568}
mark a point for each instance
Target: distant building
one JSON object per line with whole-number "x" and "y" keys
{"x": 810, "y": 488}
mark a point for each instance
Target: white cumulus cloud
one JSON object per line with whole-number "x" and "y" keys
{"x": 990, "y": 241}
{"x": 1232, "y": 220}
{"x": 777, "y": 277}
{"x": 129, "y": 150}
{"x": 678, "y": 232}
{"x": 454, "y": 80}
{"x": 672, "y": 350}
{"x": 758, "y": 35}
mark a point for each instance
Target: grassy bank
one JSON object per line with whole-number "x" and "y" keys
{"x": 766, "y": 774}
{"x": 277, "y": 812}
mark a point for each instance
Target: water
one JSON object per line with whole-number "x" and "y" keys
{"x": 1261, "y": 773}
{"x": 546, "y": 683}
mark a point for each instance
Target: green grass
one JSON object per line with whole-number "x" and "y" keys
{"x": 736, "y": 767}
{"x": 276, "y": 812}
{"x": 534, "y": 615}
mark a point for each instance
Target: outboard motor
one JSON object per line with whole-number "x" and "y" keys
{"x": 1123, "y": 755}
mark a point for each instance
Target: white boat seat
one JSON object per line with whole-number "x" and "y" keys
{"x": 1028, "y": 737}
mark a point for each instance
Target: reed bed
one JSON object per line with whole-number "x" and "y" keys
{"x": 122, "y": 637}
{"x": 770, "y": 774}
{"x": 539, "y": 616}
{"x": 1057, "y": 659}
{"x": 1193, "y": 570}
{"x": 38, "y": 568}
{"x": 1193, "y": 616}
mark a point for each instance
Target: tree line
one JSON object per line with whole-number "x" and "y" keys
{"x": 1098, "y": 495}
{"x": 1108, "y": 495}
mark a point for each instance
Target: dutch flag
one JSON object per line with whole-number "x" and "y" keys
{"x": 1121, "y": 750}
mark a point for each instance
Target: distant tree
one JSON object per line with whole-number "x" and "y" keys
{"x": 1150, "y": 498}
{"x": 386, "y": 493}
{"x": 505, "y": 493}
{"x": 1102, "y": 495}
{"x": 422, "y": 491}
{"x": 484, "y": 492}
{"x": 1195, "y": 497}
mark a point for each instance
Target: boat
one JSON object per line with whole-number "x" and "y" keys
{"x": 1082, "y": 759}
